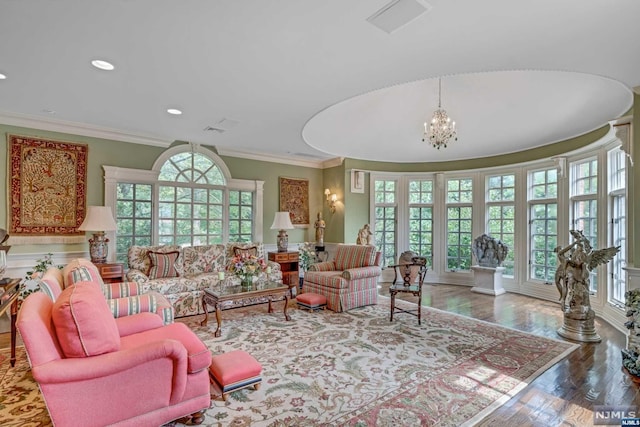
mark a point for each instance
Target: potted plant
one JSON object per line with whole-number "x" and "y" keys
{"x": 30, "y": 282}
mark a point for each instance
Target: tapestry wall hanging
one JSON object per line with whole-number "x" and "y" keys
{"x": 47, "y": 190}
{"x": 294, "y": 198}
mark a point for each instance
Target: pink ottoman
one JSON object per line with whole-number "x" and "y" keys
{"x": 235, "y": 370}
{"x": 311, "y": 301}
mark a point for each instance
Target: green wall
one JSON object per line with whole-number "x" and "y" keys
{"x": 137, "y": 156}
{"x": 333, "y": 179}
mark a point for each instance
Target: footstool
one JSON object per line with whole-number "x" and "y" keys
{"x": 311, "y": 301}
{"x": 235, "y": 370}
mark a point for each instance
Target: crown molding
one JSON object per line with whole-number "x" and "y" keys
{"x": 264, "y": 157}
{"x": 81, "y": 129}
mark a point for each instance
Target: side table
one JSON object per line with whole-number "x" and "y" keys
{"x": 289, "y": 262}
{"x": 111, "y": 272}
{"x": 9, "y": 300}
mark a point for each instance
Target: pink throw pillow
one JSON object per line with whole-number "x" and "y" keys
{"x": 84, "y": 324}
{"x": 163, "y": 264}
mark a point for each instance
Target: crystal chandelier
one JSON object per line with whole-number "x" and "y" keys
{"x": 441, "y": 129}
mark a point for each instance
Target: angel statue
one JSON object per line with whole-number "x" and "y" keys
{"x": 575, "y": 262}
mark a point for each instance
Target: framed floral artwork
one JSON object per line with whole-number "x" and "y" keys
{"x": 294, "y": 198}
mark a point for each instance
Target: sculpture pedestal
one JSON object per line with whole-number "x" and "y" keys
{"x": 488, "y": 280}
{"x": 582, "y": 330}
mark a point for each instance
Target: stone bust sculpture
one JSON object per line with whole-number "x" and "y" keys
{"x": 489, "y": 252}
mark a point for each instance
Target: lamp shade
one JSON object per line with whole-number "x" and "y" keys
{"x": 282, "y": 221}
{"x": 98, "y": 218}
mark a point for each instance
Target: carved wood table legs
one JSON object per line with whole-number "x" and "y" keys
{"x": 241, "y": 299}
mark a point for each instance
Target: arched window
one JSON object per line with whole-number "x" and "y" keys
{"x": 187, "y": 199}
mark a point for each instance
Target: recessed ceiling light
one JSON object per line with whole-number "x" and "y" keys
{"x": 46, "y": 110}
{"x": 102, "y": 64}
{"x": 174, "y": 111}
{"x": 2, "y": 76}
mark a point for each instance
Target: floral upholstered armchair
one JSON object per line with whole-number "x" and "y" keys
{"x": 349, "y": 281}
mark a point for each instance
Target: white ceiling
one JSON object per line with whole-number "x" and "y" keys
{"x": 315, "y": 80}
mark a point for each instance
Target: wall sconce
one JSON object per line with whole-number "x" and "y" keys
{"x": 331, "y": 199}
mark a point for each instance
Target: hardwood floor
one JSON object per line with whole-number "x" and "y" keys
{"x": 565, "y": 394}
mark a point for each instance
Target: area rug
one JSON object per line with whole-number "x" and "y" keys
{"x": 350, "y": 369}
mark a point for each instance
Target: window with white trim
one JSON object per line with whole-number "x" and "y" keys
{"x": 501, "y": 214}
{"x": 459, "y": 202}
{"x": 421, "y": 217}
{"x": 617, "y": 225}
{"x": 584, "y": 205}
{"x": 542, "y": 201}
{"x": 133, "y": 217}
{"x": 385, "y": 211}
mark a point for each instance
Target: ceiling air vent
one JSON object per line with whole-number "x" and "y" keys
{"x": 397, "y": 14}
{"x": 222, "y": 126}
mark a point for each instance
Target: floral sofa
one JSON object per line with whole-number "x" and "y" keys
{"x": 181, "y": 274}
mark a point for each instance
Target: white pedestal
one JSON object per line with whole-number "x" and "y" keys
{"x": 488, "y": 280}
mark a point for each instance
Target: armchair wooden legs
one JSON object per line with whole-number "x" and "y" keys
{"x": 194, "y": 419}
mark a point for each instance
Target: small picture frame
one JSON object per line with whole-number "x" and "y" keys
{"x": 357, "y": 181}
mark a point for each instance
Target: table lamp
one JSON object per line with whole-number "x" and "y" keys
{"x": 282, "y": 222}
{"x": 98, "y": 219}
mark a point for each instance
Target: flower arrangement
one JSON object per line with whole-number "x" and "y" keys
{"x": 307, "y": 254}
{"x": 246, "y": 266}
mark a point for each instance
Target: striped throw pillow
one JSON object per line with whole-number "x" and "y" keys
{"x": 163, "y": 264}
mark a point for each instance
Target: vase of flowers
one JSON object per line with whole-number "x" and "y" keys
{"x": 246, "y": 267}
{"x": 307, "y": 255}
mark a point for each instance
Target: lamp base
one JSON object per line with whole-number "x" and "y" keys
{"x": 283, "y": 241}
{"x": 98, "y": 249}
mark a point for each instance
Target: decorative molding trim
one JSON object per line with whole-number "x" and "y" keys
{"x": 81, "y": 129}
{"x": 561, "y": 164}
{"x": 633, "y": 277}
{"x": 264, "y": 157}
{"x": 623, "y": 132}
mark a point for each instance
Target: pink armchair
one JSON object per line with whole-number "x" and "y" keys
{"x": 349, "y": 281}
{"x": 129, "y": 371}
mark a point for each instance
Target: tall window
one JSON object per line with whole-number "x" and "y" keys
{"x": 500, "y": 202}
{"x": 385, "y": 219}
{"x": 543, "y": 224}
{"x": 240, "y": 216}
{"x": 421, "y": 217}
{"x": 584, "y": 205}
{"x": 459, "y": 223}
{"x": 618, "y": 224}
{"x": 133, "y": 213}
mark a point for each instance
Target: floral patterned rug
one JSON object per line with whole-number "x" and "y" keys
{"x": 348, "y": 369}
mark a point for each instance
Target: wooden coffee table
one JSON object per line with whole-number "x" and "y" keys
{"x": 226, "y": 297}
